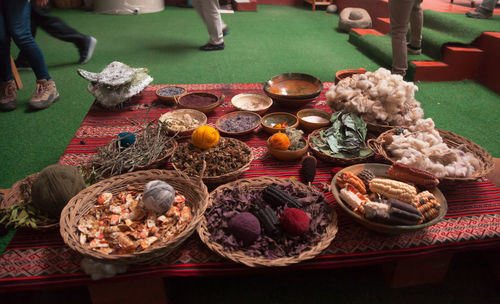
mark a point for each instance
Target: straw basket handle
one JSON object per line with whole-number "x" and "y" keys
{"x": 221, "y": 99}
{"x": 375, "y": 145}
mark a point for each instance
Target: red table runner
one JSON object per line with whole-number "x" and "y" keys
{"x": 36, "y": 259}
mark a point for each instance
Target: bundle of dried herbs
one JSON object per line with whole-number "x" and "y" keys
{"x": 151, "y": 144}
{"x": 227, "y": 156}
{"x": 23, "y": 215}
{"x": 345, "y": 138}
{"x": 297, "y": 142}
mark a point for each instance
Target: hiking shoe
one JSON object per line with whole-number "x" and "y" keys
{"x": 479, "y": 13}
{"x": 212, "y": 47}
{"x": 225, "y": 31}
{"x": 87, "y": 50}
{"x": 45, "y": 94}
{"x": 413, "y": 50}
{"x": 8, "y": 95}
{"x": 22, "y": 64}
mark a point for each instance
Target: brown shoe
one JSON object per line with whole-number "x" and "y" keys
{"x": 45, "y": 94}
{"x": 8, "y": 95}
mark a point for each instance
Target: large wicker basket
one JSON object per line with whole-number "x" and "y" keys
{"x": 335, "y": 160}
{"x": 193, "y": 189}
{"x": 21, "y": 192}
{"x": 239, "y": 256}
{"x": 453, "y": 141}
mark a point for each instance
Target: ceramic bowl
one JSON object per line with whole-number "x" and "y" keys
{"x": 270, "y": 120}
{"x": 258, "y": 103}
{"x": 287, "y": 155}
{"x": 347, "y": 73}
{"x": 238, "y": 117}
{"x": 293, "y": 89}
{"x": 179, "y": 116}
{"x": 169, "y": 93}
{"x": 206, "y": 107}
{"x": 312, "y": 119}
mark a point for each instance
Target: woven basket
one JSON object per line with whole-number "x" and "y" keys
{"x": 377, "y": 129}
{"x": 239, "y": 256}
{"x": 331, "y": 159}
{"x": 230, "y": 175}
{"x": 21, "y": 192}
{"x": 453, "y": 141}
{"x": 193, "y": 189}
{"x": 67, "y": 3}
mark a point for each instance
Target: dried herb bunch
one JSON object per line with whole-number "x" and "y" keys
{"x": 227, "y": 156}
{"x": 152, "y": 143}
{"x": 296, "y": 140}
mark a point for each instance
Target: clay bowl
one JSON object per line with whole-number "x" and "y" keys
{"x": 169, "y": 93}
{"x": 180, "y": 116}
{"x": 287, "y": 155}
{"x": 347, "y": 73}
{"x": 293, "y": 89}
{"x": 270, "y": 120}
{"x": 309, "y": 119}
{"x": 258, "y": 103}
{"x": 238, "y": 117}
{"x": 202, "y": 101}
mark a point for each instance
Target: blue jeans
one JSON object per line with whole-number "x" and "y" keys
{"x": 15, "y": 24}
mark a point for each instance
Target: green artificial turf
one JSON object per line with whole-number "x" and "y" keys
{"x": 273, "y": 40}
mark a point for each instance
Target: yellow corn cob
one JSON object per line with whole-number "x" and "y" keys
{"x": 393, "y": 189}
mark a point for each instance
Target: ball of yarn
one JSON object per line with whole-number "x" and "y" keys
{"x": 245, "y": 227}
{"x": 158, "y": 196}
{"x": 54, "y": 187}
{"x": 125, "y": 139}
{"x": 295, "y": 221}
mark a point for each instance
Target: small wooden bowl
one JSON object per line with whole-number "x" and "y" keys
{"x": 347, "y": 73}
{"x": 179, "y": 114}
{"x": 287, "y": 155}
{"x": 237, "y": 115}
{"x": 167, "y": 98}
{"x": 205, "y": 108}
{"x": 270, "y": 120}
{"x": 258, "y": 103}
{"x": 310, "y": 126}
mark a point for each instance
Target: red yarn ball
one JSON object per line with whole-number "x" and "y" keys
{"x": 295, "y": 221}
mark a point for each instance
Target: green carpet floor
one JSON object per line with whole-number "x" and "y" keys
{"x": 273, "y": 40}
{"x": 439, "y": 29}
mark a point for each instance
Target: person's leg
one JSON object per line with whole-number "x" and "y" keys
{"x": 399, "y": 11}
{"x": 483, "y": 11}
{"x": 8, "y": 91}
{"x": 416, "y": 24}
{"x": 209, "y": 12}
{"x": 488, "y": 5}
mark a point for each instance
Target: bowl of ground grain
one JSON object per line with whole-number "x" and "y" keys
{"x": 312, "y": 119}
{"x": 258, "y": 103}
{"x": 201, "y": 101}
{"x": 183, "y": 121}
{"x": 169, "y": 93}
{"x": 238, "y": 123}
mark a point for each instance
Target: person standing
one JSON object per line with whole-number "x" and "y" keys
{"x": 209, "y": 12}
{"x": 15, "y": 24}
{"x": 401, "y": 13}
{"x": 57, "y": 28}
{"x": 483, "y": 11}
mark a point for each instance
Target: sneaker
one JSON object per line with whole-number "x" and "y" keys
{"x": 225, "y": 31}
{"x": 45, "y": 94}
{"x": 22, "y": 64}
{"x": 212, "y": 47}
{"x": 8, "y": 95}
{"x": 413, "y": 50}
{"x": 88, "y": 50}
{"x": 479, "y": 13}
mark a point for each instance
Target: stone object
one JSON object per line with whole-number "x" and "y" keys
{"x": 332, "y": 8}
{"x": 352, "y": 17}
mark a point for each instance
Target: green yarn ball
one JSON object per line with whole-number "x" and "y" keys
{"x": 54, "y": 187}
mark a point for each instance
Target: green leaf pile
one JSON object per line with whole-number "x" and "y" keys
{"x": 345, "y": 138}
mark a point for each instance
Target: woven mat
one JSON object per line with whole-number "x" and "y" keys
{"x": 37, "y": 259}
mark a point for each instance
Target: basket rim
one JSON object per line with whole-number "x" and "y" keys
{"x": 69, "y": 219}
{"x": 240, "y": 257}
{"x": 485, "y": 158}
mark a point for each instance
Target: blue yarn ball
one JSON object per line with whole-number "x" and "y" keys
{"x": 125, "y": 139}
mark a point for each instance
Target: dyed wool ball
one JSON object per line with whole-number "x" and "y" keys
{"x": 294, "y": 221}
{"x": 245, "y": 227}
{"x": 125, "y": 139}
{"x": 158, "y": 196}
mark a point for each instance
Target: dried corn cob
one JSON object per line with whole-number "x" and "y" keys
{"x": 275, "y": 197}
{"x": 350, "y": 178}
{"x": 268, "y": 220}
{"x": 427, "y": 203}
{"x": 366, "y": 175}
{"x": 353, "y": 198}
{"x": 393, "y": 189}
{"x": 392, "y": 212}
{"x": 416, "y": 176}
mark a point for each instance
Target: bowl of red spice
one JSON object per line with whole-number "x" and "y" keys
{"x": 238, "y": 123}
{"x": 202, "y": 101}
